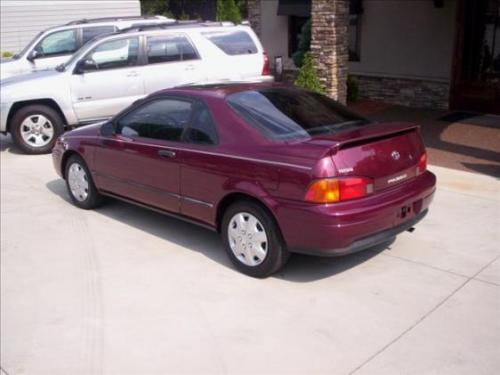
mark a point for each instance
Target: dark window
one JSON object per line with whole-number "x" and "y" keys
{"x": 295, "y": 25}
{"x": 163, "y": 119}
{"x": 232, "y": 42}
{"x": 115, "y": 54}
{"x": 354, "y": 37}
{"x": 289, "y": 113}
{"x": 57, "y": 43}
{"x": 170, "y": 48}
{"x": 89, "y": 33}
{"x": 202, "y": 128}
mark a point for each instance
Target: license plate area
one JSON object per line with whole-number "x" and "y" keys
{"x": 404, "y": 212}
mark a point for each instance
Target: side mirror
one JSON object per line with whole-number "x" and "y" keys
{"x": 85, "y": 65}
{"x": 33, "y": 55}
{"x": 107, "y": 129}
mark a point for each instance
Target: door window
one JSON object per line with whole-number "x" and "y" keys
{"x": 115, "y": 54}
{"x": 170, "y": 48}
{"x": 89, "y": 33}
{"x": 202, "y": 128}
{"x": 162, "y": 119}
{"x": 57, "y": 43}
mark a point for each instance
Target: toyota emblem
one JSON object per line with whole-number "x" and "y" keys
{"x": 395, "y": 155}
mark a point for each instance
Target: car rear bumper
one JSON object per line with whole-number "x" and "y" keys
{"x": 351, "y": 226}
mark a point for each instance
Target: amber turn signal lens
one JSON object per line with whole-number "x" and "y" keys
{"x": 330, "y": 190}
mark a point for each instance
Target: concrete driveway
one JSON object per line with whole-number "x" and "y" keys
{"x": 122, "y": 290}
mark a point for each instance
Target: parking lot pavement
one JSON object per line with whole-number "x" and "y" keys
{"x": 123, "y": 290}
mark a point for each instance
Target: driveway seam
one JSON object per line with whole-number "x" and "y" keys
{"x": 421, "y": 319}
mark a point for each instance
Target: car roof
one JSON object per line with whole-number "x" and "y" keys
{"x": 220, "y": 89}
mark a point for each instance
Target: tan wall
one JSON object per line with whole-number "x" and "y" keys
{"x": 400, "y": 38}
{"x": 410, "y": 39}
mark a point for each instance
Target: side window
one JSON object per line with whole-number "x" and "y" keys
{"x": 232, "y": 42}
{"x": 202, "y": 128}
{"x": 91, "y": 32}
{"x": 163, "y": 119}
{"x": 170, "y": 48}
{"x": 58, "y": 43}
{"x": 115, "y": 54}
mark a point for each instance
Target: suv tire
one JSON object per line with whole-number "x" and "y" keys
{"x": 35, "y": 129}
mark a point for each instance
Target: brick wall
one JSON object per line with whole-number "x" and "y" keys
{"x": 403, "y": 91}
{"x": 253, "y": 8}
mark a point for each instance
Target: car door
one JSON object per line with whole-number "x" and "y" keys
{"x": 172, "y": 61}
{"x": 110, "y": 81}
{"x": 53, "y": 49}
{"x": 140, "y": 160}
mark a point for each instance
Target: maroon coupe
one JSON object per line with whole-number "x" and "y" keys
{"x": 273, "y": 169}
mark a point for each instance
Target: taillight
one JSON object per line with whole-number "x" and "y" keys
{"x": 330, "y": 190}
{"x": 422, "y": 164}
{"x": 265, "y": 68}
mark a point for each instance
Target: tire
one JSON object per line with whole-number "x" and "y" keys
{"x": 254, "y": 259}
{"x": 81, "y": 187}
{"x": 35, "y": 129}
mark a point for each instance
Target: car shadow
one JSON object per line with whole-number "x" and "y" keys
{"x": 6, "y": 145}
{"x": 300, "y": 268}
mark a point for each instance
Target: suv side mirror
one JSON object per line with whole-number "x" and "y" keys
{"x": 85, "y": 65}
{"x": 33, "y": 55}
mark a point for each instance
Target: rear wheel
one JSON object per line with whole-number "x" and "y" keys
{"x": 35, "y": 128}
{"x": 80, "y": 185}
{"x": 252, "y": 239}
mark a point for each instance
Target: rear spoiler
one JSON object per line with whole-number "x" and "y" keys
{"x": 377, "y": 132}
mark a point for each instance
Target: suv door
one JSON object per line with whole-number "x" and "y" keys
{"x": 54, "y": 49}
{"x": 110, "y": 80}
{"x": 140, "y": 160}
{"x": 172, "y": 61}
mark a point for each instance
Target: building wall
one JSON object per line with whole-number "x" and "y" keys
{"x": 407, "y": 39}
{"x": 21, "y": 20}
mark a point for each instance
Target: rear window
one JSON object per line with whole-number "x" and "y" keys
{"x": 280, "y": 113}
{"x": 234, "y": 42}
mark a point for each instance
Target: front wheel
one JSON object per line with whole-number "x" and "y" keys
{"x": 253, "y": 240}
{"x": 80, "y": 185}
{"x": 35, "y": 129}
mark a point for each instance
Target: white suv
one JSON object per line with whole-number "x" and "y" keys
{"x": 56, "y": 44}
{"x": 112, "y": 71}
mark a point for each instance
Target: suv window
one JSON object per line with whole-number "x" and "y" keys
{"x": 115, "y": 54}
{"x": 163, "y": 119}
{"x": 281, "y": 113}
{"x": 202, "y": 128}
{"x": 91, "y": 32}
{"x": 170, "y": 48}
{"x": 58, "y": 43}
{"x": 232, "y": 42}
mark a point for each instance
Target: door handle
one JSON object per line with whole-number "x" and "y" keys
{"x": 189, "y": 67}
{"x": 132, "y": 74}
{"x": 167, "y": 153}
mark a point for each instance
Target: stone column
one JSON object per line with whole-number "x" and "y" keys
{"x": 253, "y": 7}
{"x": 330, "y": 45}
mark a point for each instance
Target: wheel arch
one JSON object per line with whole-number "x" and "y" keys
{"x": 51, "y": 103}
{"x": 237, "y": 196}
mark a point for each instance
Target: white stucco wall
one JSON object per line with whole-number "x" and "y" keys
{"x": 399, "y": 38}
{"x": 21, "y": 20}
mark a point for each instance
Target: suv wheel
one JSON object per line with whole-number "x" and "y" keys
{"x": 80, "y": 185}
{"x": 35, "y": 129}
{"x": 253, "y": 240}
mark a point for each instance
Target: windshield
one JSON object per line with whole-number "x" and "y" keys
{"x": 28, "y": 46}
{"x": 285, "y": 113}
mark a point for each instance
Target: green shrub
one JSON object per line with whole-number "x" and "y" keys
{"x": 304, "y": 44}
{"x": 227, "y": 10}
{"x": 7, "y": 54}
{"x": 352, "y": 89}
{"x": 308, "y": 77}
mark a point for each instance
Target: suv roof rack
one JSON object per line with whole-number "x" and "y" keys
{"x": 172, "y": 24}
{"x": 104, "y": 19}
